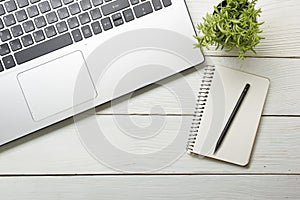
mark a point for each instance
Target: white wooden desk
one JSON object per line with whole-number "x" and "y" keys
{"x": 52, "y": 163}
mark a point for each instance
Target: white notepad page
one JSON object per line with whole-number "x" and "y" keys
{"x": 226, "y": 87}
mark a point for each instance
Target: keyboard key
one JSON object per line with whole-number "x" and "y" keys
{"x": 74, "y": 8}
{"x": 95, "y": 13}
{"x": 116, "y": 16}
{"x": 117, "y": 19}
{"x": 44, "y": 6}
{"x": 73, "y": 22}
{"x": 22, "y": 3}
{"x": 10, "y": 5}
{"x": 8, "y": 62}
{"x": 38, "y": 36}
{"x": 2, "y": 11}
{"x": 128, "y": 15}
{"x": 43, "y": 48}
{"x": 167, "y": 2}
{"x": 96, "y": 27}
{"x": 157, "y": 4}
{"x": 106, "y": 23}
{"x": 32, "y": 11}
{"x": 51, "y": 17}
{"x": 27, "y": 40}
{"x": 28, "y": 26}
{"x": 61, "y": 27}
{"x": 15, "y": 45}
{"x": 55, "y": 3}
{"x": 4, "y": 49}
{"x": 85, "y": 4}
{"x": 76, "y": 35}
{"x": 1, "y": 67}
{"x": 16, "y": 30}
{"x": 86, "y": 31}
{"x": 97, "y": 2}
{"x": 63, "y": 13}
{"x": 84, "y": 18}
{"x": 40, "y": 21}
{"x": 5, "y": 35}
{"x": 50, "y": 31}
{"x": 118, "y": 22}
{"x": 143, "y": 9}
{"x": 9, "y": 20}
{"x": 21, "y": 15}
{"x": 114, "y": 6}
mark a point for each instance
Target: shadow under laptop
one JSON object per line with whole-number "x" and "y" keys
{"x": 36, "y": 135}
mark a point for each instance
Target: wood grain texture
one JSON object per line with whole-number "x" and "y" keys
{"x": 58, "y": 150}
{"x": 281, "y": 28}
{"x": 150, "y": 187}
{"x": 174, "y": 98}
{"x": 275, "y": 165}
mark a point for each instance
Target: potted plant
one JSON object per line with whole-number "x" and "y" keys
{"x": 233, "y": 24}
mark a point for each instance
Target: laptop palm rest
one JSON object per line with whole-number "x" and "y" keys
{"x": 49, "y": 88}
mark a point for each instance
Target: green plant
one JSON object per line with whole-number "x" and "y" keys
{"x": 233, "y": 24}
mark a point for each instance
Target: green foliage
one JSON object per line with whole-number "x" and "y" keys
{"x": 233, "y": 24}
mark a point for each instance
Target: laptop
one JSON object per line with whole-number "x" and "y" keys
{"x": 59, "y": 58}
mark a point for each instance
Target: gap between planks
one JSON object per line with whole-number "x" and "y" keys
{"x": 148, "y": 174}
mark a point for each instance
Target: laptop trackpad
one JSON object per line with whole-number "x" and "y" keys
{"x": 49, "y": 88}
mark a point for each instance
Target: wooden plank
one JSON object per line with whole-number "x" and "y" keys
{"x": 281, "y": 27}
{"x": 172, "y": 96}
{"x": 150, "y": 187}
{"x": 58, "y": 149}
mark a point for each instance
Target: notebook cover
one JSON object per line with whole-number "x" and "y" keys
{"x": 224, "y": 88}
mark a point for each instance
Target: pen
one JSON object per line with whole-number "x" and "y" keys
{"x": 231, "y": 118}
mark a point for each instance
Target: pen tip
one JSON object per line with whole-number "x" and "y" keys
{"x": 216, "y": 149}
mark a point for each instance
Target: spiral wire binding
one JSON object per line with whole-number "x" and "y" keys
{"x": 201, "y": 101}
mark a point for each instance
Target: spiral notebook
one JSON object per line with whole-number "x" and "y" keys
{"x": 219, "y": 91}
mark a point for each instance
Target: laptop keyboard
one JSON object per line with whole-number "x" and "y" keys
{"x": 32, "y": 28}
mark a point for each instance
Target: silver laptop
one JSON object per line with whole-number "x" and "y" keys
{"x": 61, "y": 57}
